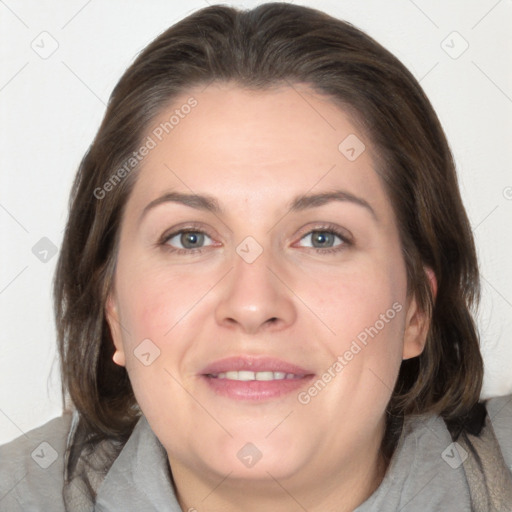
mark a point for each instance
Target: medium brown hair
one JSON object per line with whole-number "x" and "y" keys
{"x": 276, "y": 44}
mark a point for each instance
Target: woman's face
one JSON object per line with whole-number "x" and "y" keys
{"x": 259, "y": 302}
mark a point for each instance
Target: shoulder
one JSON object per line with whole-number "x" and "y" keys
{"x": 499, "y": 410}
{"x": 32, "y": 468}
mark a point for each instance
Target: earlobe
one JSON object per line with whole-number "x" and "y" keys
{"x": 417, "y": 323}
{"x": 112, "y": 316}
{"x": 118, "y": 358}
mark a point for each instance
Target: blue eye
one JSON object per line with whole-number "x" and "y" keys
{"x": 323, "y": 239}
{"x": 326, "y": 240}
{"x": 187, "y": 240}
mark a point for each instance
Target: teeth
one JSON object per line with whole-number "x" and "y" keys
{"x": 245, "y": 375}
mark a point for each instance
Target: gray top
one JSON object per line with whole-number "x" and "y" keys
{"x": 426, "y": 472}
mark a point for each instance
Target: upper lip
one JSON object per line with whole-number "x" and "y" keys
{"x": 254, "y": 364}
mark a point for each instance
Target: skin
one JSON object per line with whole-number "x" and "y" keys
{"x": 254, "y": 152}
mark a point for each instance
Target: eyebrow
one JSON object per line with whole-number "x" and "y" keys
{"x": 303, "y": 202}
{"x": 300, "y": 203}
{"x": 199, "y": 202}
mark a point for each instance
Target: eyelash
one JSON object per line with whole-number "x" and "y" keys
{"x": 166, "y": 237}
{"x": 326, "y": 228}
{"x": 331, "y": 229}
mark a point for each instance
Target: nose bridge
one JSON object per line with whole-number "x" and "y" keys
{"x": 253, "y": 297}
{"x": 253, "y": 276}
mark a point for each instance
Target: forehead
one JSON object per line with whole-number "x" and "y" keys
{"x": 243, "y": 146}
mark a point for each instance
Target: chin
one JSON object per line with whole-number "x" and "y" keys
{"x": 255, "y": 460}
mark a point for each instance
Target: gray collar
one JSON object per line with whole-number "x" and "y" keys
{"x": 424, "y": 472}
{"x": 139, "y": 479}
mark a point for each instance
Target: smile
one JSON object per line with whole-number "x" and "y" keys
{"x": 245, "y": 375}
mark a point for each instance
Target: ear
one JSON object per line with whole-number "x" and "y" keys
{"x": 417, "y": 324}
{"x": 112, "y": 316}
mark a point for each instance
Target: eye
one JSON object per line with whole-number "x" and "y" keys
{"x": 325, "y": 240}
{"x": 187, "y": 240}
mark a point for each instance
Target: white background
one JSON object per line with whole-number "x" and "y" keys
{"x": 51, "y": 108}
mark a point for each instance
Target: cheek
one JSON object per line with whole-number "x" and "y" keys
{"x": 156, "y": 300}
{"x": 365, "y": 308}
{"x": 355, "y": 299}
{"x": 167, "y": 308}
{"x": 156, "y": 306}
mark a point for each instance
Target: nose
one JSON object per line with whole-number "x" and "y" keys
{"x": 255, "y": 298}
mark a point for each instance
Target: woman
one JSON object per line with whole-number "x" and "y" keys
{"x": 265, "y": 289}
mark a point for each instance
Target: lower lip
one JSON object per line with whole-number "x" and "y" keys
{"x": 255, "y": 389}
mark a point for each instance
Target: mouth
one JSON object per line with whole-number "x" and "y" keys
{"x": 246, "y": 375}
{"x": 254, "y": 378}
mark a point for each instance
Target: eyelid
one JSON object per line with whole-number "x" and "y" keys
{"x": 183, "y": 228}
{"x": 184, "y": 231}
{"x": 343, "y": 233}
